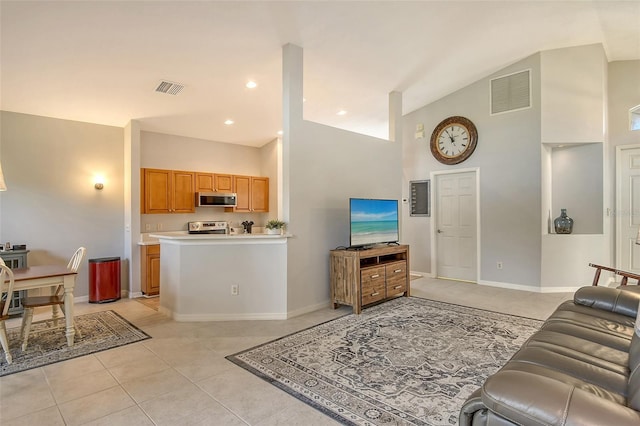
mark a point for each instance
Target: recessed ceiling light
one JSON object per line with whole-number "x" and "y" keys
{"x": 251, "y": 84}
{"x": 342, "y": 112}
{"x": 228, "y": 122}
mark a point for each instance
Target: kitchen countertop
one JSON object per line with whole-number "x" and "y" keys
{"x": 153, "y": 238}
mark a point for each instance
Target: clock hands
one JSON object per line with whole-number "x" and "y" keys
{"x": 453, "y": 140}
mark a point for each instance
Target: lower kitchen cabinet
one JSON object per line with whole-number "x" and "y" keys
{"x": 150, "y": 270}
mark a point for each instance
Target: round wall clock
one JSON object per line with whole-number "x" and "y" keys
{"x": 454, "y": 140}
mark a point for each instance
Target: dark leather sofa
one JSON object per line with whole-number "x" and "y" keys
{"x": 581, "y": 368}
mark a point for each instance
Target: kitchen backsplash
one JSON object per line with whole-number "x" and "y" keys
{"x": 178, "y": 222}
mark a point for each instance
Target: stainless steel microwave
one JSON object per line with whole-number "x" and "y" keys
{"x": 216, "y": 199}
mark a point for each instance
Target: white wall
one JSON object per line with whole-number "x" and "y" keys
{"x": 269, "y": 159}
{"x": 569, "y": 101}
{"x": 508, "y": 156}
{"x": 324, "y": 167}
{"x": 573, "y": 85}
{"x": 623, "y": 94}
{"x": 51, "y": 204}
{"x": 577, "y": 176}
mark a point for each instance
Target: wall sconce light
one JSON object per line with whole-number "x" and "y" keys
{"x": 3, "y": 186}
{"x": 99, "y": 182}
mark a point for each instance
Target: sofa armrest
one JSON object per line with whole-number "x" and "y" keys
{"x": 472, "y": 408}
{"x": 609, "y": 299}
{"x": 528, "y": 399}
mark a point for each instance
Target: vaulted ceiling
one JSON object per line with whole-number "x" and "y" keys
{"x": 101, "y": 61}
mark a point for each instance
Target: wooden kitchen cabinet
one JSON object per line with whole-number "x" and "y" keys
{"x": 213, "y": 182}
{"x": 150, "y": 270}
{"x": 167, "y": 191}
{"x": 252, "y": 194}
{"x": 223, "y": 183}
{"x": 204, "y": 182}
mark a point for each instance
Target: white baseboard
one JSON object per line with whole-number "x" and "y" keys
{"x": 220, "y": 317}
{"x": 529, "y": 288}
{"x": 242, "y": 317}
{"x": 308, "y": 309}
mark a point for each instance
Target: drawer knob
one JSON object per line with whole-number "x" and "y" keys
{"x": 397, "y": 287}
{"x": 375, "y": 294}
{"x": 397, "y": 270}
{"x": 375, "y": 276}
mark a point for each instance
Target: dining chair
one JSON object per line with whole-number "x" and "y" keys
{"x": 5, "y": 300}
{"x": 56, "y": 301}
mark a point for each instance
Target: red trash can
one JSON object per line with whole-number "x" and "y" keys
{"x": 104, "y": 279}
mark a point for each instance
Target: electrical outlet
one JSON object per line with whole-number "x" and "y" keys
{"x": 235, "y": 289}
{"x": 499, "y": 265}
{"x": 147, "y": 227}
{"x": 159, "y": 226}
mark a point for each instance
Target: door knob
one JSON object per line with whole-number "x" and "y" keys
{"x": 439, "y": 231}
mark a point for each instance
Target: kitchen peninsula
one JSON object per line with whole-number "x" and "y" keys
{"x": 208, "y": 277}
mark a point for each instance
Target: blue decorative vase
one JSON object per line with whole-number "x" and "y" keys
{"x": 563, "y": 223}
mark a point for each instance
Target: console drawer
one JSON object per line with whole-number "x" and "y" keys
{"x": 396, "y": 278}
{"x": 372, "y": 284}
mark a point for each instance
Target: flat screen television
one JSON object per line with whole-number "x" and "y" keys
{"x": 372, "y": 222}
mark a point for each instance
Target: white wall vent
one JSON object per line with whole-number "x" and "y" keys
{"x": 169, "y": 87}
{"x": 511, "y": 92}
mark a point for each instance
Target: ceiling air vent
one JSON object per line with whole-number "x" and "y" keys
{"x": 511, "y": 92}
{"x": 169, "y": 87}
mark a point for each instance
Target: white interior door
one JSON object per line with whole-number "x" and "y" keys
{"x": 628, "y": 208}
{"x": 456, "y": 226}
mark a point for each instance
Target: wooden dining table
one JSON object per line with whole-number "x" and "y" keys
{"x": 42, "y": 276}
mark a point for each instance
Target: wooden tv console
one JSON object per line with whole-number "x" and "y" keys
{"x": 363, "y": 277}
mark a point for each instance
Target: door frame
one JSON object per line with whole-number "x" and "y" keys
{"x": 617, "y": 216}
{"x": 434, "y": 216}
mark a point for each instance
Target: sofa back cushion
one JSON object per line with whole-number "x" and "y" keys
{"x": 633, "y": 390}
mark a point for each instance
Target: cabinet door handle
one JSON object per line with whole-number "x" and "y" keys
{"x": 397, "y": 270}
{"x": 397, "y": 287}
{"x": 375, "y": 276}
{"x": 375, "y": 294}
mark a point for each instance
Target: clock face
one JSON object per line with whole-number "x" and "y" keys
{"x": 454, "y": 140}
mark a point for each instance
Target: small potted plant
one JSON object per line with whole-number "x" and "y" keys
{"x": 274, "y": 226}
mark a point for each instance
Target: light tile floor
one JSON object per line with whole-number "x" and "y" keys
{"x": 180, "y": 376}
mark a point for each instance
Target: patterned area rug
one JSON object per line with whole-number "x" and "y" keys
{"x": 407, "y": 361}
{"x": 100, "y": 331}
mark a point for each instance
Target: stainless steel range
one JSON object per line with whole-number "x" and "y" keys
{"x": 209, "y": 227}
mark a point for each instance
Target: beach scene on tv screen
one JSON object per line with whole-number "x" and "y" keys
{"x": 373, "y": 221}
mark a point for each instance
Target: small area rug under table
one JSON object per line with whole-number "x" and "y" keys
{"x": 100, "y": 331}
{"x": 407, "y": 361}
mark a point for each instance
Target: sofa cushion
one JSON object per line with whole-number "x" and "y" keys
{"x": 634, "y": 350}
{"x": 585, "y": 375}
{"x": 608, "y": 299}
{"x": 548, "y": 401}
{"x": 634, "y": 365}
{"x": 581, "y": 349}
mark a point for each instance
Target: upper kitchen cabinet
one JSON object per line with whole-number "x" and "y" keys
{"x": 252, "y": 193}
{"x": 213, "y": 182}
{"x": 223, "y": 183}
{"x": 168, "y": 191}
{"x": 204, "y": 182}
